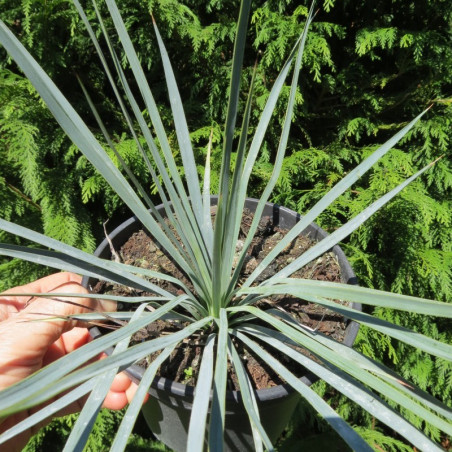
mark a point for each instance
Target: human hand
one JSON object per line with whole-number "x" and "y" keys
{"x": 26, "y": 347}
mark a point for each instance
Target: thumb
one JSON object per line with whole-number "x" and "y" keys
{"x": 26, "y": 336}
{"x": 39, "y": 317}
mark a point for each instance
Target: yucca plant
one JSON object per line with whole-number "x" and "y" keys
{"x": 225, "y": 310}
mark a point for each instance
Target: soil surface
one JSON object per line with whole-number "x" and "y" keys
{"x": 142, "y": 251}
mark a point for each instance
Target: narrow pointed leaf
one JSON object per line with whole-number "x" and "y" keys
{"x": 207, "y": 216}
{"x": 249, "y": 401}
{"x": 349, "y": 387}
{"x": 130, "y": 417}
{"x": 218, "y": 280}
{"x": 81, "y": 136}
{"x": 83, "y": 426}
{"x": 345, "y": 230}
{"x": 330, "y": 197}
{"x": 48, "y": 412}
{"x": 200, "y": 409}
{"x": 373, "y": 374}
{"x": 339, "y": 425}
{"x": 183, "y": 135}
{"x": 121, "y": 360}
{"x": 234, "y": 212}
{"x": 218, "y": 409}
{"x": 179, "y": 213}
{"x": 63, "y": 261}
{"x": 358, "y": 294}
{"x": 279, "y": 156}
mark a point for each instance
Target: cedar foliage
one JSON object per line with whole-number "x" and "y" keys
{"x": 368, "y": 69}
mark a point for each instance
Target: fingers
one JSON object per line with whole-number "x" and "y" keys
{"x": 130, "y": 393}
{"x": 121, "y": 383}
{"x": 117, "y": 398}
{"x": 75, "y": 338}
{"x": 64, "y": 282}
{"x": 12, "y": 304}
{"x": 60, "y": 306}
{"x": 34, "y": 336}
{"x": 43, "y": 285}
{"x": 28, "y": 341}
{"x": 122, "y": 392}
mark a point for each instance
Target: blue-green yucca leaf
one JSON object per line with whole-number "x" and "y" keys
{"x": 340, "y": 381}
{"x": 410, "y": 337}
{"x": 417, "y": 340}
{"x": 358, "y": 294}
{"x": 121, "y": 360}
{"x": 85, "y": 422}
{"x": 233, "y": 101}
{"x": 249, "y": 401}
{"x": 183, "y": 135}
{"x": 233, "y": 215}
{"x": 268, "y": 111}
{"x": 239, "y": 197}
{"x": 401, "y": 384}
{"x": 82, "y": 137}
{"x": 344, "y": 231}
{"x": 125, "y": 299}
{"x": 178, "y": 211}
{"x": 96, "y": 264}
{"x": 65, "y": 262}
{"x": 338, "y": 424}
{"x": 182, "y": 218}
{"x": 373, "y": 374}
{"x": 218, "y": 406}
{"x": 191, "y": 173}
{"x": 330, "y": 197}
{"x": 91, "y": 317}
{"x": 125, "y": 112}
{"x": 389, "y": 383}
{"x": 207, "y": 215}
{"x": 191, "y": 305}
{"x": 129, "y": 419}
{"x": 112, "y": 146}
{"x": 218, "y": 278}
{"x": 13, "y": 398}
{"x": 183, "y": 209}
{"x": 135, "y": 181}
{"x": 76, "y": 130}
{"x": 48, "y": 412}
{"x": 201, "y": 401}
{"x": 147, "y": 96}
{"x": 434, "y": 347}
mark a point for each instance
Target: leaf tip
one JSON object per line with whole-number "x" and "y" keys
{"x": 434, "y": 161}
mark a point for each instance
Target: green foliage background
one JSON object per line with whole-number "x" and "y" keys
{"x": 368, "y": 69}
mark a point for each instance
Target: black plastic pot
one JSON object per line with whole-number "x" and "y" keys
{"x": 169, "y": 408}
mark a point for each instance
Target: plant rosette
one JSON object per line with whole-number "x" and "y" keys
{"x": 168, "y": 410}
{"x": 221, "y": 305}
